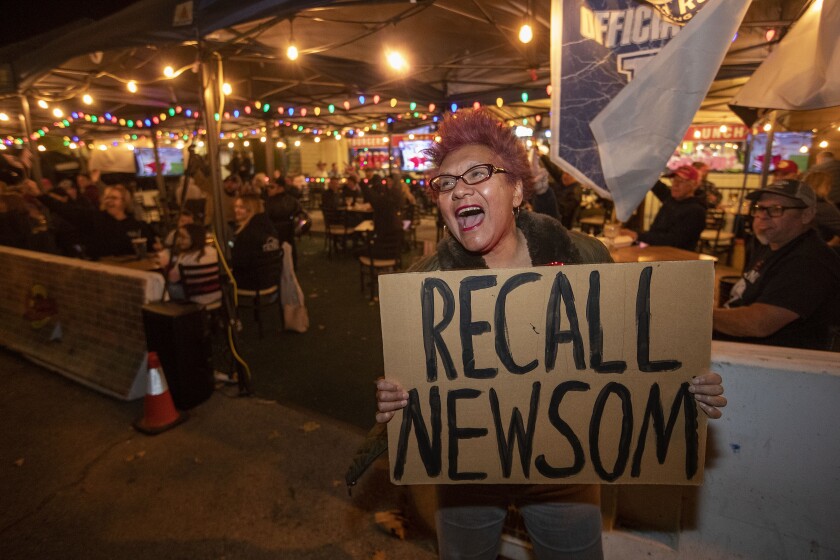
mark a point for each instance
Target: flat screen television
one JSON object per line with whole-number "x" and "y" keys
{"x": 786, "y": 145}
{"x": 413, "y": 158}
{"x": 171, "y": 162}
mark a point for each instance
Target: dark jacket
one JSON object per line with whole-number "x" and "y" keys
{"x": 102, "y": 234}
{"x": 254, "y": 245}
{"x": 679, "y": 223}
{"x": 281, "y": 210}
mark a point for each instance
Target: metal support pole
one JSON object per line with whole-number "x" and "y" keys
{"x": 161, "y": 185}
{"x": 211, "y": 77}
{"x": 27, "y": 131}
{"x": 768, "y": 150}
{"x": 269, "y": 152}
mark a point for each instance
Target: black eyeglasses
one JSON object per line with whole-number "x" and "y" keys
{"x": 772, "y": 211}
{"x": 472, "y": 176}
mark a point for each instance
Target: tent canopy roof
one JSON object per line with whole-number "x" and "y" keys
{"x": 458, "y": 51}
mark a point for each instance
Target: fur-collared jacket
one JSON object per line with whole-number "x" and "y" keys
{"x": 549, "y": 243}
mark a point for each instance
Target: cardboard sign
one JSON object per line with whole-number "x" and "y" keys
{"x": 569, "y": 374}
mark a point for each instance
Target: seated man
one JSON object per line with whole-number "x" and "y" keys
{"x": 790, "y": 292}
{"x": 682, "y": 217}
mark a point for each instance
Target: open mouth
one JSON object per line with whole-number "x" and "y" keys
{"x": 469, "y": 217}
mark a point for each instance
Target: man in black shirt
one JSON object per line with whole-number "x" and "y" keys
{"x": 682, "y": 217}
{"x": 790, "y": 292}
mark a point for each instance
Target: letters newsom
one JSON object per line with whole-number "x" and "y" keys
{"x": 518, "y": 442}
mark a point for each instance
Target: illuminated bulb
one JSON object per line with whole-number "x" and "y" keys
{"x": 697, "y": 135}
{"x": 179, "y": 145}
{"x": 4, "y": 117}
{"x": 168, "y": 72}
{"x": 317, "y": 111}
{"x": 824, "y": 144}
{"x": 317, "y": 139}
{"x": 297, "y": 143}
{"x": 246, "y": 143}
{"x": 397, "y": 61}
{"x": 393, "y": 102}
{"x": 42, "y": 104}
{"x": 723, "y": 128}
{"x": 525, "y": 33}
{"x": 73, "y": 146}
{"x": 803, "y": 150}
{"x": 281, "y": 145}
{"x": 262, "y": 139}
{"x": 42, "y": 148}
{"x": 230, "y": 144}
{"x": 58, "y": 113}
{"x": 87, "y": 99}
{"x": 292, "y": 52}
{"x": 200, "y": 144}
{"x": 499, "y": 102}
{"x": 768, "y": 127}
{"x": 437, "y": 139}
{"x": 129, "y": 147}
{"x": 131, "y": 86}
{"x": 102, "y": 147}
{"x": 226, "y": 89}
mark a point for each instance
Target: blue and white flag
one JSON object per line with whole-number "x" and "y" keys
{"x": 627, "y": 78}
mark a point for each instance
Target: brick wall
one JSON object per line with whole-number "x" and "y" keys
{"x": 96, "y": 337}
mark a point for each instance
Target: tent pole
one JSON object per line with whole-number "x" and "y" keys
{"x": 27, "y": 131}
{"x": 269, "y": 152}
{"x": 210, "y": 78}
{"x": 768, "y": 150}
{"x": 161, "y": 187}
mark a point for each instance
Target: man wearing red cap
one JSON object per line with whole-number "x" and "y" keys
{"x": 785, "y": 169}
{"x": 789, "y": 294}
{"x": 682, "y": 217}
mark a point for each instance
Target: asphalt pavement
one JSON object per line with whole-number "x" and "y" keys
{"x": 241, "y": 478}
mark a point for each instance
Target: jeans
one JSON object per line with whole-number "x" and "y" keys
{"x": 562, "y": 531}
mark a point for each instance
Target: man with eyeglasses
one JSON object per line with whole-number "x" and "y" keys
{"x": 682, "y": 217}
{"x": 789, "y": 294}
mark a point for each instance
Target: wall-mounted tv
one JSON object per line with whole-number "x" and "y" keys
{"x": 786, "y": 145}
{"x": 413, "y": 158}
{"x": 171, "y": 162}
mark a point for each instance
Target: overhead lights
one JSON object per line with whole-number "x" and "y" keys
{"x": 824, "y": 144}
{"x": 131, "y": 86}
{"x": 42, "y": 148}
{"x": 292, "y": 50}
{"x": 58, "y": 113}
{"x": 4, "y": 117}
{"x": 169, "y": 72}
{"x": 226, "y": 89}
{"x": 768, "y": 127}
{"x": 43, "y": 104}
{"x": 526, "y": 34}
{"x": 397, "y": 61}
{"x": 87, "y": 99}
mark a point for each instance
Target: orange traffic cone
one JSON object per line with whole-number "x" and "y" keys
{"x": 159, "y": 412}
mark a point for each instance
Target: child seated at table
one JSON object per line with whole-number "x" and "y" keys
{"x": 190, "y": 248}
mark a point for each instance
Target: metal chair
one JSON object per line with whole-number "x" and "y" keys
{"x": 382, "y": 254}
{"x": 336, "y": 230}
{"x": 714, "y": 240}
{"x": 258, "y": 286}
{"x": 202, "y": 284}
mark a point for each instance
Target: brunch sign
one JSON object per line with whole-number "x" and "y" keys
{"x": 565, "y": 374}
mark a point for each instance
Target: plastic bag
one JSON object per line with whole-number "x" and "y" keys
{"x": 295, "y": 315}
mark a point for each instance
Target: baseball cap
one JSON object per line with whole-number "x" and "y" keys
{"x": 790, "y": 188}
{"x": 686, "y": 172}
{"x": 786, "y": 167}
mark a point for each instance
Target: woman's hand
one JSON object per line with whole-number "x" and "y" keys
{"x": 708, "y": 392}
{"x": 390, "y": 397}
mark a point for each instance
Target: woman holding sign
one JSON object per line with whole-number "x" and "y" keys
{"x": 484, "y": 176}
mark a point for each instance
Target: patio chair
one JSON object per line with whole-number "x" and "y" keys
{"x": 258, "y": 286}
{"x": 382, "y": 254}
